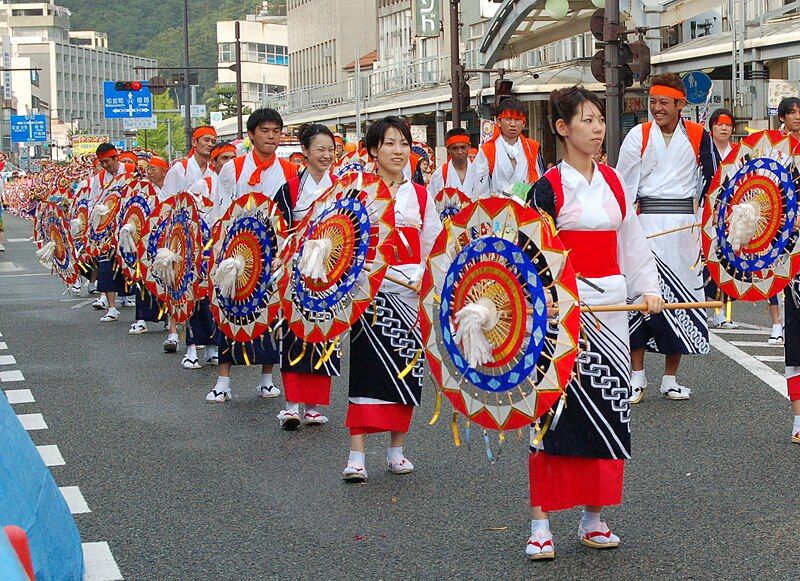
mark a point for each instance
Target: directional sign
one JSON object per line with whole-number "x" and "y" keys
{"x": 196, "y": 111}
{"x": 126, "y": 104}
{"x": 136, "y": 123}
{"x": 697, "y": 85}
{"x": 28, "y": 128}
{"x": 119, "y": 144}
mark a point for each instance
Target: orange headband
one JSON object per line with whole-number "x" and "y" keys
{"x": 456, "y": 139}
{"x": 107, "y": 154}
{"x": 664, "y": 91}
{"x": 222, "y": 149}
{"x": 158, "y": 162}
{"x": 724, "y": 120}
{"x": 128, "y": 156}
{"x": 511, "y": 114}
{"x": 338, "y": 139}
{"x": 205, "y": 130}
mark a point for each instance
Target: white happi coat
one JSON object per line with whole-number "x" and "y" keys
{"x": 180, "y": 178}
{"x": 310, "y": 191}
{"x": 453, "y": 181}
{"x": 504, "y": 175}
{"x": 208, "y": 188}
{"x": 232, "y": 189}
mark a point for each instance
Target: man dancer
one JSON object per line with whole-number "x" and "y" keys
{"x": 195, "y": 166}
{"x": 667, "y": 165}
{"x": 454, "y": 173}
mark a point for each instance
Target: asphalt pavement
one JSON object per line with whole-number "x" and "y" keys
{"x": 180, "y": 489}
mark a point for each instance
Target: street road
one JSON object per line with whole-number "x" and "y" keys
{"x": 180, "y": 489}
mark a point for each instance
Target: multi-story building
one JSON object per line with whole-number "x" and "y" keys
{"x": 265, "y": 56}
{"x": 73, "y": 66}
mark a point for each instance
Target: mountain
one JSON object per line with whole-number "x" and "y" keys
{"x": 155, "y": 28}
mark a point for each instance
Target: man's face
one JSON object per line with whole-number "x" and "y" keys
{"x": 266, "y": 138}
{"x": 791, "y": 120}
{"x": 110, "y": 164}
{"x": 156, "y": 174}
{"x": 458, "y": 153}
{"x": 222, "y": 159}
{"x": 511, "y": 127}
{"x": 665, "y": 110}
{"x": 204, "y": 144}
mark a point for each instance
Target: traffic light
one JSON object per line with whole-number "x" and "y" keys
{"x": 502, "y": 90}
{"x": 464, "y": 93}
{"x": 128, "y": 86}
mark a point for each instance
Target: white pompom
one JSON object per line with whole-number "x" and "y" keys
{"x": 127, "y": 241}
{"x": 164, "y": 265}
{"x": 472, "y": 321}
{"x": 98, "y": 211}
{"x": 743, "y": 223}
{"x": 226, "y": 274}
{"x": 76, "y": 226}
{"x": 45, "y": 253}
{"x": 315, "y": 255}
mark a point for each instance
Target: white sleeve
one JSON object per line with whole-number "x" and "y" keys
{"x": 173, "y": 181}
{"x": 437, "y": 183}
{"x": 481, "y": 186}
{"x": 636, "y": 260}
{"x": 629, "y": 164}
{"x": 431, "y": 227}
{"x": 226, "y": 187}
{"x": 94, "y": 188}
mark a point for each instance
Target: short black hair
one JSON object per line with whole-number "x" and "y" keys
{"x": 261, "y": 116}
{"x": 511, "y": 104}
{"x": 308, "y": 131}
{"x": 105, "y": 148}
{"x": 719, "y": 113}
{"x": 377, "y": 132}
{"x": 455, "y": 131}
{"x": 566, "y": 103}
{"x": 786, "y": 105}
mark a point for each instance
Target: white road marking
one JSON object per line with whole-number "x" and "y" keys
{"x": 770, "y": 358}
{"x": 32, "y": 421}
{"x": 19, "y": 396}
{"x": 27, "y": 274}
{"x": 9, "y": 267}
{"x": 7, "y": 360}
{"x": 755, "y": 344}
{"x": 762, "y": 371}
{"x": 99, "y": 562}
{"x": 3, "y": 346}
{"x": 19, "y": 239}
{"x": 51, "y": 455}
{"x": 74, "y": 498}
{"x": 83, "y": 303}
{"x": 765, "y": 332}
{"x": 15, "y": 375}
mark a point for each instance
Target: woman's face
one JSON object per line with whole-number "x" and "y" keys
{"x": 424, "y": 164}
{"x": 721, "y": 132}
{"x": 586, "y": 130}
{"x": 321, "y": 153}
{"x": 392, "y": 155}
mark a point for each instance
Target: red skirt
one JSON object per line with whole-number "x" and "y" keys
{"x": 793, "y": 387}
{"x": 562, "y": 482}
{"x": 381, "y": 417}
{"x": 307, "y": 388}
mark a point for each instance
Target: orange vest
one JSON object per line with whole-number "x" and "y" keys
{"x": 529, "y": 146}
{"x": 693, "y": 130}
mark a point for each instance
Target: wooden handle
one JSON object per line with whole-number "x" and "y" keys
{"x": 670, "y": 231}
{"x": 641, "y": 307}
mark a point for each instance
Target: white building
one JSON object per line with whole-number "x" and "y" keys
{"x": 74, "y": 65}
{"x": 265, "y": 57}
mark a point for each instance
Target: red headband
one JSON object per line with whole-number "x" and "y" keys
{"x": 511, "y": 114}
{"x": 128, "y": 156}
{"x": 158, "y": 162}
{"x": 205, "y": 130}
{"x": 724, "y": 120}
{"x": 338, "y": 139}
{"x": 456, "y": 139}
{"x": 664, "y": 91}
{"x": 222, "y": 149}
{"x": 106, "y": 154}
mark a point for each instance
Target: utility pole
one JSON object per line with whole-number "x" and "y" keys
{"x": 169, "y": 139}
{"x": 358, "y": 93}
{"x": 455, "y": 65}
{"x": 186, "y": 86}
{"x": 239, "y": 129}
{"x": 614, "y": 89}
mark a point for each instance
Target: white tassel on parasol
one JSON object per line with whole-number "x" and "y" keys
{"x": 76, "y": 226}
{"x": 45, "y": 253}
{"x": 314, "y": 257}
{"x": 127, "y": 237}
{"x": 98, "y": 212}
{"x": 473, "y": 320}
{"x": 164, "y": 265}
{"x": 744, "y": 221}
{"x": 226, "y": 274}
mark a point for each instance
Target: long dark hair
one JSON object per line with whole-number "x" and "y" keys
{"x": 566, "y": 103}
{"x": 308, "y": 131}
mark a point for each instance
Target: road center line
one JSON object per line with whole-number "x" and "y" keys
{"x": 762, "y": 371}
{"x": 75, "y": 500}
{"x": 32, "y": 421}
{"x": 100, "y": 563}
{"x": 15, "y": 396}
{"x": 51, "y": 455}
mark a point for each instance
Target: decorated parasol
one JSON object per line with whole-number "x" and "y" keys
{"x": 54, "y": 241}
{"x": 352, "y": 163}
{"x": 171, "y": 252}
{"x": 750, "y": 225}
{"x": 450, "y": 201}
{"x": 500, "y": 314}
{"x": 101, "y": 236}
{"x": 139, "y": 201}
{"x": 245, "y": 247}
{"x": 335, "y": 261}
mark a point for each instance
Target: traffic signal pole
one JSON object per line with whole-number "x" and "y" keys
{"x": 614, "y": 88}
{"x": 455, "y": 65}
{"x": 187, "y": 88}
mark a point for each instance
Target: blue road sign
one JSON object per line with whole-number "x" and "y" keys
{"x": 28, "y": 128}
{"x": 119, "y": 144}
{"x": 697, "y": 85}
{"x": 126, "y": 104}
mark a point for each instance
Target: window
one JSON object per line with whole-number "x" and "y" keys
{"x": 277, "y": 55}
{"x": 227, "y": 52}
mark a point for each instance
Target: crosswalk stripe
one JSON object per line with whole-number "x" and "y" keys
{"x": 761, "y": 370}
{"x": 3, "y": 346}
{"x": 770, "y": 358}
{"x": 51, "y": 455}
{"x": 766, "y": 332}
{"x": 15, "y": 396}
{"x": 99, "y": 563}
{"x": 755, "y": 344}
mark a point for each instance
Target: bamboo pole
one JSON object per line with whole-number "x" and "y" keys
{"x": 641, "y": 307}
{"x": 665, "y": 232}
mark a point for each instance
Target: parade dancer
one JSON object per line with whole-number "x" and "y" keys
{"x": 455, "y": 172}
{"x": 668, "y": 164}
{"x": 380, "y": 399}
{"x": 581, "y": 461}
{"x": 258, "y": 171}
{"x": 302, "y": 384}
{"x": 109, "y": 282}
{"x": 508, "y": 158}
{"x": 195, "y": 166}
{"x": 148, "y": 307}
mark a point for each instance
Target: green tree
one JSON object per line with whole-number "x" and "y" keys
{"x": 223, "y": 98}
{"x": 157, "y": 138}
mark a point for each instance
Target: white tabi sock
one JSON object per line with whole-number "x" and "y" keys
{"x": 141, "y": 322}
{"x": 266, "y": 380}
{"x": 777, "y": 330}
{"x": 212, "y": 351}
{"x": 311, "y": 409}
{"x": 356, "y": 459}
{"x": 668, "y": 381}
{"x": 542, "y": 525}
{"x": 292, "y": 407}
{"x": 191, "y": 352}
{"x": 173, "y": 336}
{"x": 638, "y": 378}
{"x": 796, "y": 424}
{"x": 395, "y": 454}
{"x": 589, "y": 519}
{"x": 223, "y": 384}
